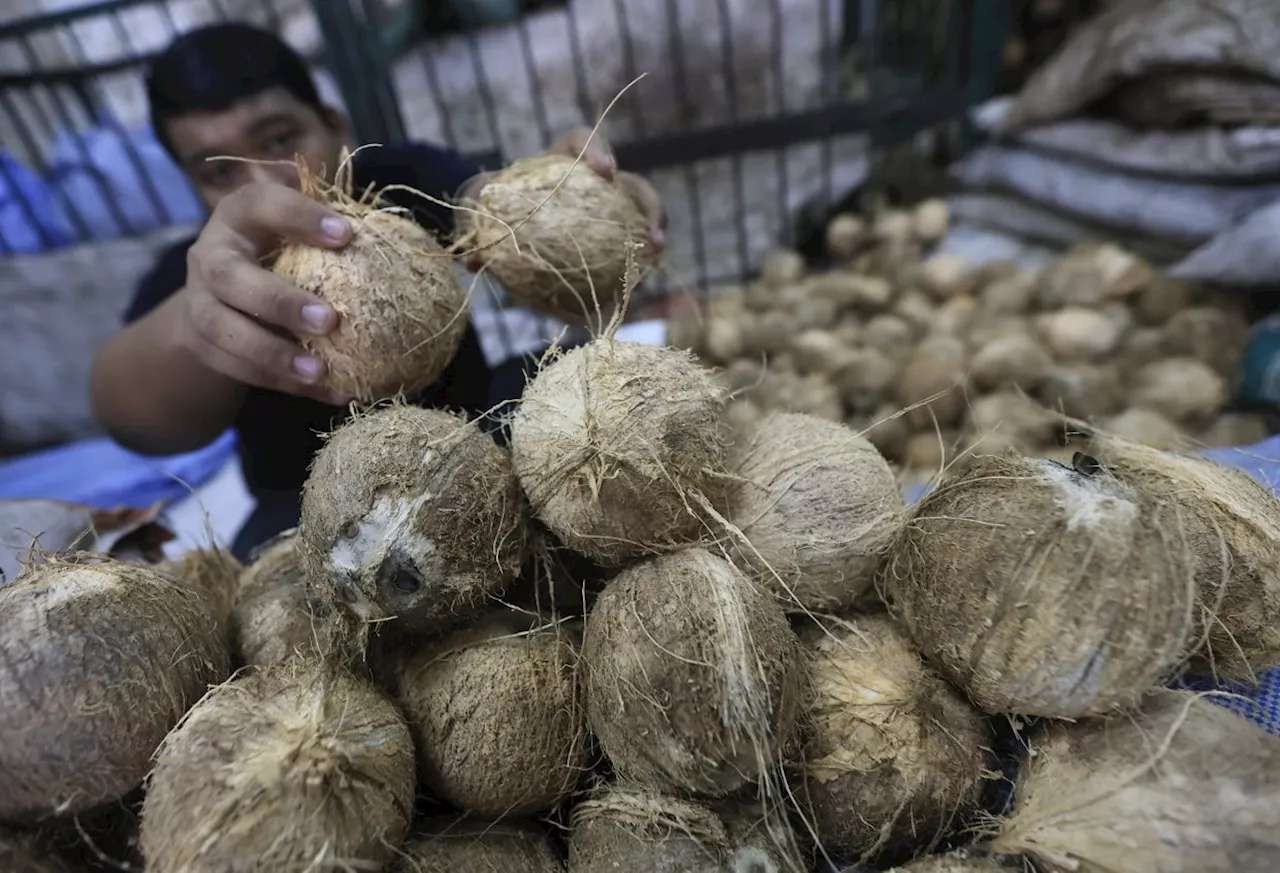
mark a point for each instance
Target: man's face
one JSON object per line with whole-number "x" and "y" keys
{"x": 270, "y": 126}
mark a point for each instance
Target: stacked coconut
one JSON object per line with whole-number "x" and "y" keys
{"x": 960, "y": 346}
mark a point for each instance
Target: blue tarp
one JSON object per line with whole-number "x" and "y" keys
{"x": 31, "y": 219}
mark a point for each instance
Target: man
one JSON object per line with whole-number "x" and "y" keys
{"x": 210, "y": 340}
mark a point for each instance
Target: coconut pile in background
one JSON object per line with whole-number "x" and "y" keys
{"x": 970, "y": 351}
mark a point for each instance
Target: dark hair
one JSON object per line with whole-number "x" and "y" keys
{"x": 212, "y": 68}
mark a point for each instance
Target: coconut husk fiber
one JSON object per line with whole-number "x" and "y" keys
{"x": 298, "y": 767}
{"x": 1040, "y": 589}
{"x": 895, "y": 758}
{"x": 819, "y": 507}
{"x": 761, "y": 838}
{"x": 961, "y": 862}
{"x": 1182, "y": 785}
{"x": 276, "y": 616}
{"x": 691, "y": 674}
{"x": 98, "y": 661}
{"x": 401, "y": 305}
{"x": 560, "y": 238}
{"x": 214, "y": 573}
{"x": 411, "y": 513}
{"x": 1233, "y": 530}
{"x": 498, "y": 717}
{"x": 615, "y": 443}
{"x": 32, "y": 853}
{"x": 451, "y": 845}
{"x": 630, "y": 828}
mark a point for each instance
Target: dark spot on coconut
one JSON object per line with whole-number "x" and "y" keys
{"x": 349, "y": 530}
{"x": 1085, "y": 465}
{"x": 349, "y": 591}
{"x": 399, "y": 574}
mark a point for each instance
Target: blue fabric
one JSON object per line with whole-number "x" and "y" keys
{"x": 31, "y": 219}
{"x": 101, "y": 474}
{"x": 121, "y": 182}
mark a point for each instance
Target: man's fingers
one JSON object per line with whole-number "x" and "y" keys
{"x": 262, "y": 214}
{"x": 241, "y": 284}
{"x": 598, "y": 154}
{"x": 245, "y": 350}
{"x": 650, "y": 204}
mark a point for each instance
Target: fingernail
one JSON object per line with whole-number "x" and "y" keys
{"x": 317, "y": 315}
{"x": 335, "y": 227}
{"x": 306, "y": 366}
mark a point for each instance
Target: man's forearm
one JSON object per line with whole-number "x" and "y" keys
{"x": 155, "y": 398}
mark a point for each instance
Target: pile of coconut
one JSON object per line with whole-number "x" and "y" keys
{"x": 650, "y": 636}
{"x": 1097, "y": 334}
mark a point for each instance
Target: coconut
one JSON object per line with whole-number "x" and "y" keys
{"x": 727, "y": 300}
{"x": 724, "y": 339}
{"x": 1141, "y": 346}
{"x": 955, "y": 317}
{"x": 690, "y": 674}
{"x": 1161, "y": 299}
{"x": 1145, "y": 426}
{"x": 1216, "y": 337}
{"x": 960, "y": 862}
{"x": 1091, "y": 275}
{"x": 1231, "y": 525}
{"x": 819, "y": 507}
{"x": 865, "y": 376}
{"x": 893, "y": 226}
{"x": 890, "y": 334}
{"x": 782, "y": 267}
{"x": 411, "y": 513}
{"x": 894, "y": 757}
{"x": 450, "y": 845}
{"x": 301, "y": 766}
{"x": 686, "y": 328}
{"x": 1182, "y": 786}
{"x": 761, "y": 839}
{"x": 497, "y": 717}
{"x": 616, "y": 444}
{"x": 214, "y": 574}
{"x": 1043, "y": 590}
{"x": 624, "y": 827}
{"x": 774, "y": 331}
{"x": 848, "y": 289}
{"x": 1012, "y": 414}
{"x": 929, "y": 220}
{"x": 32, "y": 853}
{"x": 818, "y": 350}
{"x": 948, "y": 275}
{"x": 935, "y": 373}
{"x": 560, "y": 238}
{"x": 846, "y": 235}
{"x": 915, "y": 308}
{"x": 401, "y": 304}
{"x": 1183, "y": 389}
{"x": 1012, "y": 295}
{"x": 887, "y": 431}
{"x": 929, "y": 450}
{"x": 1077, "y": 334}
{"x": 1234, "y": 429}
{"x": 276, "y": 617}
{"x": 1016, "y": 360}
{"x": 814, "y": 312}
{"x": 1082, "y": 391}
{"x": 816, "y": 396}
{"x": 98, "y": 661}
{"x": 987, "y": 327}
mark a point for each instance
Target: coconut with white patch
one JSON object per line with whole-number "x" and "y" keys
{"x": 412, "y": 514}
{"x": 1041, "y": 589}
{"x": 619, "y": 446}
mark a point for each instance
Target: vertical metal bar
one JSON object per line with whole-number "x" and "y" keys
{"x": 579, "y": 64}
{"x": 28, "y": 211}
{"x": 690, "y": 170}
{"x": 629, "y": 65}
{"x": 535, "y": 84}
{"x": 486, "y": 92}
{"x": 361, "y": 74}
{"x": 781, "y": 155}
{"x": 828, "y": 58}
{"x": 433, "y": 85}
{"x": 735, "y": 114}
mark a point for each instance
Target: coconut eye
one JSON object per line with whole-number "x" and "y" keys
{"x": 406, "y": 582}
{"x": 349, "y": 530}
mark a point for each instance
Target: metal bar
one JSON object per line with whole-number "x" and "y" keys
{"x": 690, "y": 170}
{"x": 629, "y": 65}
{"x": 43, "y": 21}
{"x": 921, "y": 110}
{"x": 342, "y": 30}
{"x": 782, "y": 166}
{"x": 729, "y": 66}
{"x": 535, "y": 84}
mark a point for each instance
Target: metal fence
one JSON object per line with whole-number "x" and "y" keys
{"x": 755, "y": 118}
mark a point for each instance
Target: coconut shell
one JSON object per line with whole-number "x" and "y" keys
{"x": 819, "y": 507}
{"x": 615, "y": 442}
{"x": 98, "y": 661}
{"x": 498, "y": 719}
{"x": 1181, "y": 786}
{"x": 277, "y": 617}
{"x": 895, "y": 757}
{"x": 690, "y": 674}
{"x": 400, "y": 303}
{"x": 628, "y": 828}
{"x": 1231, "y": 523}
{"x": 447, "y": 845}
{"x": 1040, "y": 590}
{"x": 411, "y": 513}
{"x": 299, "y": 767}
{"x": 580, "y": 240}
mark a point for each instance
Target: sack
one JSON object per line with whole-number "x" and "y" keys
{"x": 31, "y": 219}
{"x": 1245, "y": 255}
{"x": 1139, "y": 37}
{"x": 1180, "y": 99}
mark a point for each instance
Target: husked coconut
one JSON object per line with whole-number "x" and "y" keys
{"x": 895, "y": 758}
{"x": 893, "y": 226}
{"x": 1012, "y": 414}
{"x": 782, "y": 267}
{"x": 1141, "y": 346}
{"x": 1077, "y": 334}
{"x": 1230, "y": 524}
{"x": 724, "y": 340}
{"x": 887, "y": 431}
{"x": 955, "y": 317}
{"x": 560, "y": 238}
{"x": 1104, "y": 589}
{"x": 816, "y": 396}
{"x": 1145, "y": 426}
{"x": 615, "y": 442}
{"x": 690, "y": 674}
{"x": 450, "y": 845}
{"x": 819, "y": 507}
{"x": 686, "y": 328}
{"x": 890, "y": 334}
{"x": 1091, "y": 275}
{"x": 1012, "y": 295}
{"x": 848, "y": 289}
{"x": 412, "y": 514}
{"x": 214, "y": 574}
{"x": 818, "y": 350}
{"x": 1016, "y": 360}
{"x": 297, "y": 767}
{"x": 1082, "y": 391}
{"x": 401, "y": 306}
{"x": 727, "y": 300}
{"x": 934, "y": 377}
{"x": 947, "y": 275}
{"x": 916, "y": 309}
{"x": 761, "y": 838}
{"x": 630, "y": 828}
{"x": 497, "y": 717}
{"x": 814, "y": 312}
{"x": 1184, "y": 389}
{"x": 987, "y": 327}
{"x": 1183, "y": 785}
{"x": 867, "y": 374}
{"x": 1162, "y": 298}
{"x": 1234, "y": 429}
{"x": 1216, "y": 337}
{"x": 277, "y": 617}
{"x": 740, "y": 416}
{"x": 742, "y": 374}
{"x": 929, "y": 220}
{"x": 846, "y": 235}
{"x": 929, "y": 450}
{"x": 98, "y": 661}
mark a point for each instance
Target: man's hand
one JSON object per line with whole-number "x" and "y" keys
{"x": 597, "y": 154}
{"x": 242, "y": 320}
